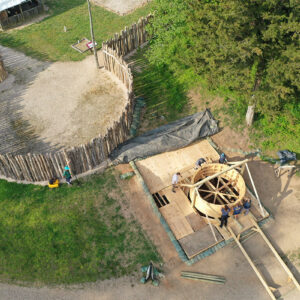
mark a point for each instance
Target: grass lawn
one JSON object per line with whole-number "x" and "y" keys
{"x": 47, "y": 40}
{"x": 68, "y": 235}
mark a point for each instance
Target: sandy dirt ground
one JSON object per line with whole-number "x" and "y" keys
{"x": 281, "y": 196}
{"x": 121, "y": 7}
{"x": 45, "y": 107}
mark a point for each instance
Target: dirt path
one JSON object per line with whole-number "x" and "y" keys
{"x": 121, "y": 7}
{"x": 45, "y": 107}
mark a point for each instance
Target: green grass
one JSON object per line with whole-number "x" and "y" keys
{"x": 47, "y": 40}
{"x": 68, "y": 235}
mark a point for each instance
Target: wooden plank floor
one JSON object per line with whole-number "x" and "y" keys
{"x": 199, "y": 241}
{"x": 179, "y": 214}
{"x": 177, "y": 222}
{"x": 157, "y": 170}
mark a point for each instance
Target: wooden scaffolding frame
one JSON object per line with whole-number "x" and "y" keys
{"x": 257, "y": 229}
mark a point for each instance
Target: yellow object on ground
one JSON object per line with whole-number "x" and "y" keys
{"x": 54, "y": 185}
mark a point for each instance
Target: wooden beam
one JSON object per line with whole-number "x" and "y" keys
{"x": 285, "y": 267}
{"x": 211, "y": 187}
{"x": 255, "y": 191}
{"x": 198, "y": 184}
{"x": 243, "y": 169}
{"x": 262, "y": 280}
{"x": 194, "y": 199}
{"x": 215, "y": 197}
{"x": 225, "y": 185}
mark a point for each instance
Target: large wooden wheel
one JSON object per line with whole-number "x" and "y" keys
{"x": 228, "y": 188}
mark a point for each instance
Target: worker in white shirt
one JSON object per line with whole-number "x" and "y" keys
{"x": 175, "y": 179}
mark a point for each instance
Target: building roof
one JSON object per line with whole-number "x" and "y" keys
{"x": 4, "y": 4}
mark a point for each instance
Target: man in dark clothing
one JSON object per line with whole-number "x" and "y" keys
{"x": 222, "y": 159}
{"x": 199, "y": 162}
{"x": 225, "y": 215}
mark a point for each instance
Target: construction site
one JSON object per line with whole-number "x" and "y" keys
{"x": 191, "y": 215}
{"x": 223, "y": 229}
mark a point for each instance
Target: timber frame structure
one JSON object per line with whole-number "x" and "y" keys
{"x": 194, "y": 229}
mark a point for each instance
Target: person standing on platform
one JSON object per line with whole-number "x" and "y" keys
{"x": 222, "y": 159}
{"x": 199, "y": 163}
{"x": 247, "y": 205}
{"x": 225, "y": 215}
{"x": 237, "y": 210}
{"x": 175, "y": 179}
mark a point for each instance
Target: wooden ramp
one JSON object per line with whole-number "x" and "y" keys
{"x": 256, "y": 228}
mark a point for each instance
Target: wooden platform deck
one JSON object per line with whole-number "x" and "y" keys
{"x": 179, "y": 214}
{"x": 157, "y": 170}
{"x": 188, "y": 226}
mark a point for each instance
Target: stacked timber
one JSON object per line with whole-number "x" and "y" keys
{"x": 3, "y": 73}
{"x": 203, "y": 277}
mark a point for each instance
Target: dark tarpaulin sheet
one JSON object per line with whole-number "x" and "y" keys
{"x": 168, "y": 137}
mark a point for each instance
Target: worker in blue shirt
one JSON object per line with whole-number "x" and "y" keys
{"x": 237, "y": 210}
{"x": 247, "y": 205}
{"x": 199, "y": 162}
{"x": 225, "y": 215}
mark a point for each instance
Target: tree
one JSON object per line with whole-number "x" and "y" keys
{"x": 168, "y": 32}
{"x": 250, "y": 47}
{"x": 242, "y": 45}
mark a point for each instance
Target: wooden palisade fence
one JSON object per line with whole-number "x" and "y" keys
{"x": 41, "y": 167}
{"x": 129, "y": 39}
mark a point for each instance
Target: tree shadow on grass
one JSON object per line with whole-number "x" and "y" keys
{"x": 166, "y": 98}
